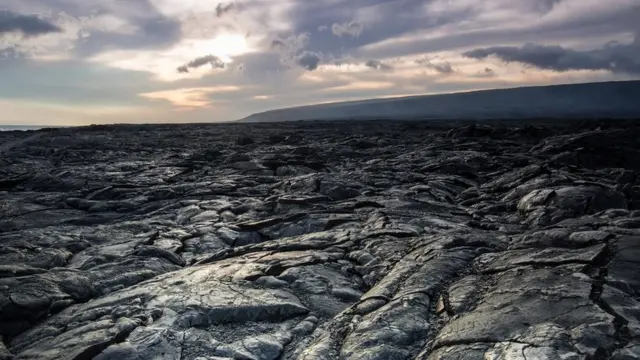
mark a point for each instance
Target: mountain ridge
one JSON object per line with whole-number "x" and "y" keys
{"x": 614, "y": 99}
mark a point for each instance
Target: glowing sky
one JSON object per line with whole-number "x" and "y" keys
{"x": 67, "y": 62}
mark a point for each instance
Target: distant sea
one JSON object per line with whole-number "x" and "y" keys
{"x": 22, "y": 127}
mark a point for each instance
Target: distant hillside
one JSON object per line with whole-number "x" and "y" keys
{"x": 590, "y": 100}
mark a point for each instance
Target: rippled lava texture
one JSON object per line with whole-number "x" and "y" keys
{"x": 314, "y": 241}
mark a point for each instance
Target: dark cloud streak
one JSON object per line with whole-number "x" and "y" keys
{"x": 442, "y": 68}
{"x": 28, "y": 25}
{"x": 614, "y": 57}
{"x": 616, "y": 21}
{"x": 222, "y": 8}
{"x": 378, "y": 65}
{"x": 214, "y": 61}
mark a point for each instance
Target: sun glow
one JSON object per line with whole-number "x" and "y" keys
{"x": 163, "y": 64}
{"x": 190, "y": 97}
{"x": 224, "y": 46}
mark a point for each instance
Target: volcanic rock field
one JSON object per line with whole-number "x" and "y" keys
{"x": 372, "y": 240}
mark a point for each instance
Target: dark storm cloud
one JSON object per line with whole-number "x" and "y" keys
{"x": 28, "y": 25}
{"x": 214, "y": 61}
{"x": 308, "y": 60}
{"x": 618, "y": 58}
{"x": 443, "y": 67}
{"x": 378, "y": 65}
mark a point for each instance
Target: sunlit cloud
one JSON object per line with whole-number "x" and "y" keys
{"x": 190, "y": 97}
{"x": 163, "y": 63}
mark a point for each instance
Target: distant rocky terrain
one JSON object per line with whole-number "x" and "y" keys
{"x": 322, "y": 240}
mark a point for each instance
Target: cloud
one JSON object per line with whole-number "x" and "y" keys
{"x": 257, "y": 67}
{"x": 308, "y": 60}
{"x": 278, "y": 43}
{"x": 10, "y": 54}
{"x": 215, "y": 62}
{"x": 299, "y": 51}
{"x": 545, "y": 6}
{"x": 614, "y": 57}
{"x": 222, "y": 9}
{"x": 442, "y": 68}
{"x": 153, "y": 31}
{"x": 189, "y": 97}
{"x": 378, "y": 65}
{"x": 358, "y": 22}
{"x": 463, "y": 24}
{"x": 85, "y": 29}
{"x": 292, "y": 50}
{"x": 351, "y": 28}
{"x": 486, "y": 73}
{"x": 28, "y": 25}
{"x": 291, "y": 44}
{"x": 345, "y": 61}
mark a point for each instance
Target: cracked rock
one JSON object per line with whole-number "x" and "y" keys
{"x": 321, "y": 241}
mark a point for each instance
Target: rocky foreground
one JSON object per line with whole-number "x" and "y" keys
{"x": 371, "y": 240}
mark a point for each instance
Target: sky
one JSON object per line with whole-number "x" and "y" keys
{"x": 74, "y": 62}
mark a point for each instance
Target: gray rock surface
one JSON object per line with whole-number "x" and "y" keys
{"x": 376, "y": 240}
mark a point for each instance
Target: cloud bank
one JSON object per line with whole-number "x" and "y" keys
{"x": 614, "y": 57}
{"x": 168, "y": 59}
